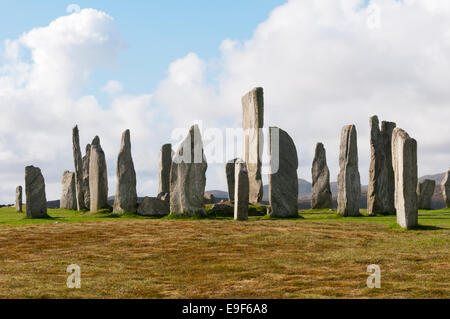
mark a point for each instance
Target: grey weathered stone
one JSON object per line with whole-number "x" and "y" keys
{"x": 380, "y": 193}
{"x": 165, "y": 164}
{"x": 164, "y": 196}
{"x": 252, "y": 123}
{"x": 36, "y": 206}
{"x": 187, "y": 178}
{"x": 321, "y": 191}
{"x": 445, "y": 187}
{"x": 98, "y": 177}
{"x": 151, "y": 206}
{"x": 223, "y": 209}
{"x": 283, "y": 179}
{"x": 349, "y": 182}
{"x": 241, "y": 190}
{"x": 86, "y": 159}
{"x": 229, "y": 172}
{"x": 69, "y": 194}
{"x": 404, "y": 158}
{"x": 209, "y": 198}
{"x": 19, "y": 199}
{"x": 126, "y": 196}
{"x": 425, "y": 191}
{"x": 78, "y": 163}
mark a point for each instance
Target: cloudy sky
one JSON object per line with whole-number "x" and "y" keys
{"x": 156, "y": 68}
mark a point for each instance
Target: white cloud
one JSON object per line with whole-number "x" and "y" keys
{"x": 112, "y": 87}
{"x": 320, "y": 64}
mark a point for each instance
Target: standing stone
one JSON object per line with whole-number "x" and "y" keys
{"x": 86, "y": 159}
{"x": 253, "y": 122}
{"x": 19, "y": 199}
{"x": 165, "y": 164}
{"x": 78, "y": 163}
{"x": 229, "y": 171}
{"x": 404, "y": 157}
{"x": 187, "y": 178}
{"x": 241, "y": 190}
{"x": 153, "y": 207}
{"x": 349, "y": 182}
{"x": 69, "y": 195}
{"x": 380, "y": 193}
{"x": 35, "y": 193}
{"x": 321, "y": 191}
{"x": 126, "y": 196}
{"x": 283, "y": 179}
{"x": 445, "y": 187}
{"x": 98, "y": 177}
{"x": 425, "y": 191}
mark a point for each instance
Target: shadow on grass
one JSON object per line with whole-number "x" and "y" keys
{"x": 415, "y": 228}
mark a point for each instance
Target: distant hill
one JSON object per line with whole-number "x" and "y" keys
{"x": 438, "y": 178}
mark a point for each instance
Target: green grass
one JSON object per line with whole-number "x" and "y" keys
{"x": 427, "y": 219}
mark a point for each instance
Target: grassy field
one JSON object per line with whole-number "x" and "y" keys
{"x": 318, "y": 255}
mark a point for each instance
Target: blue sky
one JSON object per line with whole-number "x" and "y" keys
{"x": 155, "y": 32}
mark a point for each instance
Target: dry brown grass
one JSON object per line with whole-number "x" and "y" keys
{"x": 223, "y": 259}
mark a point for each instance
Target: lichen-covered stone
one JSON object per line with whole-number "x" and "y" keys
{"x": 153, "y": 207}
{"x": 445, "y": 187}
{"x": 19, "y": 199}
{"x": 86, "y": 159}
{"x": 69, "y": 195}
{"x": 321, "y": 191}
{"x": 283, "y": 178}
{"x": 188, "y": 176}
{"x": 78, "y": 163}
{"x": 349, "y": 182}
{"x": 404, "y": 159}
{"x": 98, "y": 177}
{"x": 229, "y": 172}
{"x": 425, "y": 191}
{"x": 165, "y": 164}
{"x": 380, "y": 194}
{"x": 126, "y": 195}
{"x": 35, "y": 193}
{"x": 252, "y": 123}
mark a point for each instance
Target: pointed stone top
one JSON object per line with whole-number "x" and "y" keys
{"x": 95, "y": 141}
{"x": 75, "y": 128}
{"x": 319, "y": 145}
{"x": 88, "y": 148}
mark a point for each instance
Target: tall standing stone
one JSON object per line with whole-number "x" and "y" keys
{"x": 404, "y": 157}
{"x": 380, "y": 193}
{"x": 241, "y": 190}
{"x": 36, "y": 206}
{"x": 229, "y": 172}
{"x": 187, "y": 178}
{"x": 86, "y": 159}
{"x": 252, "y": 123}
{"x": 78, "y": 163}
{"x": 283, "y": 179}
{"x": 445, "y": 187}
{"x": 425, "y": 191}
{"x": 349, "y": 182}
{"x": 98, "y": 177}
{"x": 69, "y": 195}
{"x": 126, "y": 196}
{"x": 165, "y": 164}
{"x": 19, "y": 199}
{"x": 321, "y": 191}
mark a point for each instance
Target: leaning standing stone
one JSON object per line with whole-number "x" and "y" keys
{"x": 69, "y": 196}
{"x": 425, "y": 191}
{"x": 187, "y": 178}
{"x": 404, "y": 156}
{"x": 126, "y": 196}
{"x": 241, "y": 191}
{"x": 35, "y": 193}
{"x": 445, "y": 187}
{"x": 321, "y": 190}
{"x": 380, "y": 193}
{"x": 283, "y": 179}
{"x": 78, "y": 163}
{"x": 86, "y": 159}
{"x": 19, "y": 198}
{"x": 98, "y": 177}
{"x": 349, "y": 182}
{"x": 165, "y": 164}
{"x": 252, "y": 123}
{"x": 229, "y": 172}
